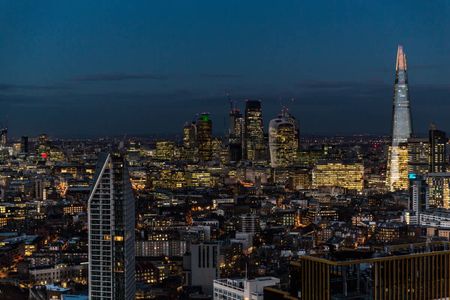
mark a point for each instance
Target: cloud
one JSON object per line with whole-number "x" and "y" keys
{"x": 7, "y": 87}
{"x": 118, "y": 77}
{"x": 339, "y": 85}
{"x": 220, "y": 75}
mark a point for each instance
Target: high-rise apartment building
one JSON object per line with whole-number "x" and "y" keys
{"x": 204, "y": 137}
{"x": 397, "y": 177}
{"x": 438, "y": 153}
{"x": 283, "y": 140}
{"x": 254, "y": 147}
{"x": 111, "y": 219}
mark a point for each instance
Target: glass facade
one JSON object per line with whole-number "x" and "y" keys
{"x": 438, "y": 155}
{"x": 254, "y": 131}
{"x": 204, "y": 137}
{"x": 283, "y": 140}
{"x": 401, "y": 126}
{"x": 111, "y": 232}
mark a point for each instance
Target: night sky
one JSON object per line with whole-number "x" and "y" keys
{"x": 92, "y": 68}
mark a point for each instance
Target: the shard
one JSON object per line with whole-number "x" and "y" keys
{"x": 397, "y": 178}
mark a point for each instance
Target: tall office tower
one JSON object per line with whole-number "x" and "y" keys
{"x": 111, "y": 219}
{"x": 204, "y": 137}
{"x": 418, "y": 156}
{"x": 24, "y": 145}
{"x": 397, "y": 178}
{"x": 283, "y": 140}
{"x": 235, "y": 134}
{"x": 438, "y": 157}
{"x": 254, "y": 147}
{"x": 190, "y": 141}
{"x": 189, "y": 135}
{"x": 3, "y": 136}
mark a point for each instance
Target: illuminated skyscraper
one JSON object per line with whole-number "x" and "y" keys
{"x": 111, "y": 219}
{"x": 3, "y": 136}
{"x": 24, "y": 144}
{"x": 438, "y": 142}
{"x": 397, "y": 178}
{"x": 190, "y": 141}
{"x": 189, "y": 135}
{"x": 418, "y": 156}
{"x": 253, "y": 132}
{"x": 283, "y": 140}
{"x": 235, "y": 133}
{"x": 204, "y": 137}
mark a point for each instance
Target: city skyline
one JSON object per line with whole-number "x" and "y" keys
{"x": 59, "y": 70}
{"x": 224, "y": 150}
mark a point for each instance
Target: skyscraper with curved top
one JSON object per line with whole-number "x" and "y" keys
{"x": 283, "y": 140}
{"x": 397, "y": 178}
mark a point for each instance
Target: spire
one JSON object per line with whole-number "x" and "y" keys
{"x": 401, "y": 59}
{"x": 433, "y": 126}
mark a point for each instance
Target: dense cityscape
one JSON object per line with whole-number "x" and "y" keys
{"x": 263, "y": 212}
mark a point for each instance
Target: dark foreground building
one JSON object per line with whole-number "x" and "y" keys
{"x": 419, "y": 271}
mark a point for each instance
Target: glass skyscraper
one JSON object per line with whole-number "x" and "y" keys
{"x": 254, "y": 131}
{"x": 235, "y": 134}
{"x": 283, "y": 140}
{"x": 111, "y": 219}
{"x": 204, "y": 137}
{"x": 438, "y": 153}
{"x": 397, "y": 178}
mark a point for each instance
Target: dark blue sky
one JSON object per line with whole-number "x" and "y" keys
{"x": 86, "y": 68}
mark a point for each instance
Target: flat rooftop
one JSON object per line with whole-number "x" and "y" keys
{"x": 380, "y": 253}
